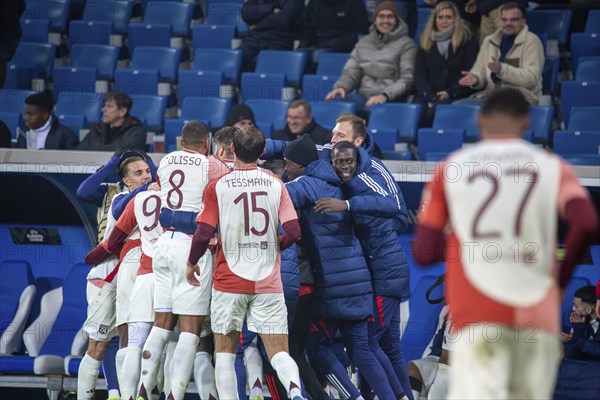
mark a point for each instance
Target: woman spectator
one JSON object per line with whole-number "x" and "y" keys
{"x": 447, "y": 48}
{"x": 380, "y": 68}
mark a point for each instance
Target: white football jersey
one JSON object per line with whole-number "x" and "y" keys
{"x": 183, "y": 176}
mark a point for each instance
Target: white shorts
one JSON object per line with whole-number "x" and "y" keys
{"x": 125, "y": 281}
{"x": 172, "y": 292}
{"x": 493, "y": 361}
{"x": 142, "y": 299}
{"x": 101, "y": 317}
{"x": 265, "y": 313}
{"x": 427, "y": 367}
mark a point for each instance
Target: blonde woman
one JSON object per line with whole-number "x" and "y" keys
{"x": 447, "y": 47}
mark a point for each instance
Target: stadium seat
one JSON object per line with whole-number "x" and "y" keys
{"x": 394, "y": 122}
{"x": 458, "y": 116}
{"x": 568, "y": 143}
{"x": 212, "y": 111}
{"x": 77, "y": 79}
{"x": 540, "y": 123}
{"x": 316, "y": 87}
{"x": 137, "y": 81}
{"x": 423, "y": 14}
{"x": 584, "y": 119}
{"x": 262, "y": 86}
{"x": 554, "y": 23}
{"x": 550, "y": 75}
{"x": 117, "y": 12}
{"x": 148, "y": 35}
{"x": 35, "y": 30}
{"x": 38, "y": 55}
{"x": 17, "y": 293}
{"x": 176, "y": 14}
{"x": 165, "y": 60}
{"x": 397, "y": 155}
{"x": 88, "y": 105}
{"x": 12, "y": 100}
{"x": 103, "y": 58}
{"x": 229, "y": 62}
{"x": 332, "y": 64}
{"x": 592, "y": 25}
{"x": 212, "y": 36}
{"x": 584, "y": 44}
{"x": 584, "y": 94}
{"x": 90, "y": 32}
{"x": 437, "y": 143}
{"x": 19, "y": 77}
{"x": 590, "y": 160}
{"x": 199, "y": 84}
{"x": 289, "y": 63}
{"x": 226, "y": 13}
{"x": 269, "y": 114}
{"x": 150, "y": 109}
{"x": 55, "y": 11}
{"x": 588, "y": 69}
{"x": 13, "y": 120}
{"x": 326, "y": 112}
{"x": 73, "y": 122}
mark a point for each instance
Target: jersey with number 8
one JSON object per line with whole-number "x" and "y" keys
{"x": 183, "y": 176}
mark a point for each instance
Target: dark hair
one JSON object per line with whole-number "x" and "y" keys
{"x": 587, "y": 294}
{"x": 248, "y": 144}
{"x": 345, "y": 145}
{"x": 359, "y": 128}
{"x": 224, "y": 136}
{"x": 302, "y": 103}
{"x": 276, "y": 166}
{"x": 507, "y": 101}
{"x": 43, "y": 100}
{"x": 194, "y": 132}
{"x": 124, "y": 166}
{"x": 121, "y": 99}
{"x": 512, "y": 5}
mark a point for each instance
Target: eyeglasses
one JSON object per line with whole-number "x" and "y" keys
{"x": 385, "y": 16}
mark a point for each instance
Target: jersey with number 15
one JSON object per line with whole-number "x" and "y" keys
{"x": 183, "y": 176}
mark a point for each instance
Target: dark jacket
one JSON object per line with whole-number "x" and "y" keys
{"x": 290, "y": 277}
{"x": 274, "y": 30}
{"x": 5, "y": 136}
{"x": 334, "y": 24}
{"x": 389, "y": 269}
{"x": 317, "y": 133}
{"x": 585, "y": 344}
{"x": 131, "y": 134}
{"x": 341, "y": 275}
{"x": 484, "y": 7}
{"x": 434, "y": 73}
{"x": 59, "y": 138}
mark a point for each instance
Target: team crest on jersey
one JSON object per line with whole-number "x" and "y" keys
{"x": 103, "y": 329}
{"x": 264, "y": 245}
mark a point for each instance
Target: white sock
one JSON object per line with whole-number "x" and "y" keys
{"x": 416, "y": 394}
{"x": 131, "y": 372}
{"x": 287, "y": 372}
{"x": 87, "y": 377}
{"x": 183, "y": 363}
{"x": 168, "y": 368}
{"x": 204, "y": 375}
{"x": 441, "y": 383}
{"x": 151, "y": 356}
{"x": 114, "y": 393}
{"x": 254, "y": 369}
{"x": 119, "y": 359}
{"x": 225, "y": 375}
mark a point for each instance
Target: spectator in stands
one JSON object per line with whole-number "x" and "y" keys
{"x": 380, "y": 68}
{"x": 299, "y": 122}
{"x": 274, "y": 25}
{"x": 408, "y": 12}
{"x": 473, "y": 19}
{"x": 447, "y": 48}
{"x": 334, "y": 25}
{"x": 10, "y": 32}
{"x": 43, "y": 129}
{"x": 240, "y": 115}
{"x": 583, "y": 342}
{"x": 118, "y": 129}
{"x": 511, "y": 57}
{"x": 5, "y": 136}
{"x": 490, "y": 11}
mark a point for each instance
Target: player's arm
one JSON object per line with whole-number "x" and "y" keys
{"x": 121, "y": 202}
{"x": 97, "y": 254}
{"x": 430, "y": 241}
{"x": 578, "y": 212}
{"x": 93, "y": 189}
{"x": 288, "y": 219}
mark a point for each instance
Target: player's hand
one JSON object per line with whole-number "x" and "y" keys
{"x": 377, "y": 99}
{"x": 336, "y": 92}
{"x": 330, "y": 205}
{"x": 468, "y": 79}
{"x": 565, "y": 337}
{"x": 153, "y": 186}
{"x": 495, "y": 66}
{"x": 190, "y": 274}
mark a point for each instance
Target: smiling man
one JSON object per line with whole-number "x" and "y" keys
{"x": 299, "y": 122}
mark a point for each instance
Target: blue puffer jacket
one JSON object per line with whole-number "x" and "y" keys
{"x": 389, "y": 270}
{"x": 290, "y": 276}
{"x": 276, "y": 148}
{"x": 341, "y": 275}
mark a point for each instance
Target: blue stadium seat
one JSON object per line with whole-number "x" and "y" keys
{"x": 117, "y": 12}
{"x": 212, "y": 36}
{"x": 394, "y": 122}
{"x": 584, "y": 44}
{"x": 226, "y": 13}
{"x": 150, "y": 109}
{"x": 55, "y": 11}
{"x": 13, "y": 100}
{"x": 165, "y": 60}
{"x": 210, "y": 110}
{"x": 172, "y": 131}
{"x": 13, "y": 120}
{"x": 326, "y": 112}
{"x": 84, "y": 104}
{"x": 148, "y": 35}
{"x": 554, "y": 23}
{"x": 584, "y": 119}
{"x": 90, "y": 32}
{"x": 103, "y": 58}
{"x": 19, "y": 76}
{"x": 229, "y": 62}
{"x": 540, "y": 123}
{"x": 423, "y": 14}
{"x": 35, "y": 30}
{"x": 137, "y": 81}
{"x": 568, "y": 143}
{"x": 39, "y": 55}
{"x": 397, "y": 155}
{"x": 588, "y": 69}
{"x": 437, "y": 143}
{"x": 550, "y": 75}
{"x": 584, "y": 94}
{"x": 458, "y": 116}
{"x": 262, "y": 86}
{"x": 17, "y": 293}
{"x": 289, "y": 63}
{"x": 590, "y": 160}
{"x": 332, "y": 64}
{"x": 269, "y": 114}
{"x": 77, "y": 79}
{"x": 74, "y": 122}
{"x": 592, "y": 25}
{"x": 199, "y": 84}
{"x": 316, "y": 87}
{"x": 178, "y": 15}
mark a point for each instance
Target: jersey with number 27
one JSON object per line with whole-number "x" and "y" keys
{"x": 248, "y": 205}
{"x": 183, "y": 176}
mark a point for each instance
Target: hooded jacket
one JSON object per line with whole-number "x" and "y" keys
{"x": 60, "y": 137}
{"x": 131, "y": 134}
{"x": 317, "y": 133}
{"x": 381, "y": 65}
{"x": 341, "y": 276}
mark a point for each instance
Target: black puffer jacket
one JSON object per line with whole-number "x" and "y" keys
{"x": 60, "y": 137}
{"x": 131, "y": 134}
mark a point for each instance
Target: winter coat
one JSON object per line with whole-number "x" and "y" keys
{"x": 381, "y": 66}
{"x": 317, "y": 133}
{"x": 274, "y": 30}
{"x": 521, "y": 69}
{"x": 290, "y": 276}
{"x": 60, "y": 137}
{"x": 131, "y": 134}
{"x": 341, "y": 276}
